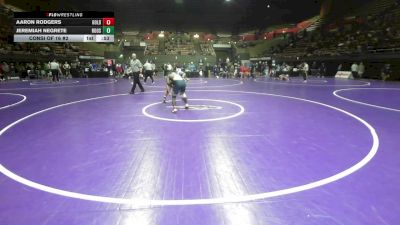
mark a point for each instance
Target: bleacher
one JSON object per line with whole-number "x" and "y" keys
{"x": 177, "y": 44}
{"x": 152, "y": 47}
{"x": 179, "y": 47}
{"x": 369, "y": 30}
{"x": 207, "y": 49}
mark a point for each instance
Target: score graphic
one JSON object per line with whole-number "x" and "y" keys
{"x": 64, "y": 26}
{"x": 108, "y": 21}
{"x": 108, "y": 25}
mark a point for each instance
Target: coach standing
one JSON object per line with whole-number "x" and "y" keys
{"x": 148, "y": 71}
{"x": 55, "y": 70}
{"x": 136, "y": 69}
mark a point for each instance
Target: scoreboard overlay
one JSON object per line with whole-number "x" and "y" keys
{"x": 64, "y": 26}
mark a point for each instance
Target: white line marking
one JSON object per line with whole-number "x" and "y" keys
{"x": 317, "y": 85}
{"x": 190, "y": 81}
{"x": 51, "y": 83}
{"x": 241, "y": 111}
{"x": 139, "y": 202}
{"x": 363, "y": 103}
{"x": 14, "y": 104}
{"x": 39, "y": 88}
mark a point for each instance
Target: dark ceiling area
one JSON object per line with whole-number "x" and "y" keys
{"x": 203, "y": 15}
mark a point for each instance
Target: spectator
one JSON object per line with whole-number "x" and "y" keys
{"x": 37, "y": 69}
{"x": 67, "y": 70}
{"x": 74, "y": 69}
{"x": 1, "y": 73}
{"x": 340, "y": 67}
{"x": 154, "y": 68}
{"x": 46, "y": 68}
{"x": 148, "y": 71}
{"x": 322, "y": 70}
{"x": 12, "y": 70}
{"x": 6, "y": 70}
{"x": 354, "y": 70}
{"x": 305, "y": 69}
{"x": 386, "y": 72}
{"x": 361, "y": 70}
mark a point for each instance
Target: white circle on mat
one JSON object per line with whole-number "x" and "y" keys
{"x": 111, "y": 81}
{"x": 207, "y": 84}
{"x": 197, "y": 82}
{"x": 14, "y": 104}
{"x": 139, "y": 202}
{"x": 238, "y": 113}
{"x": 322, "y": 84}
{"x": 364, "y": 103}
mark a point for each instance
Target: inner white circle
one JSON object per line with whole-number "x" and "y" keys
{"x": 206, "y": 86}
{"x": 241, "y": 111}
{"x": 313, "y": 83}
{"x": 139, "y": 202}
{"x": 14, "y": 104}
{"x": 189, "y": 82}
{"x": 364, "y": 103}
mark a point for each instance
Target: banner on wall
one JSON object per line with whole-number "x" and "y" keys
{"x": 343, "y": 75}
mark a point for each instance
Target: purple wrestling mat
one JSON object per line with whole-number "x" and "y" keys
{"x": 261, "y": 151}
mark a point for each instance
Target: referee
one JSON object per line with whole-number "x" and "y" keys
{"x": 136, "y": 69}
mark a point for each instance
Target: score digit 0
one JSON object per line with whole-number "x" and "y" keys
{"x": 108, "y": 30}
{"x": 108, "y": 21}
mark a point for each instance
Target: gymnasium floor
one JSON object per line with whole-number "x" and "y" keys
{"x": 84, "y": 152}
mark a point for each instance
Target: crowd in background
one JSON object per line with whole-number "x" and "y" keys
{"x": 37, "y": 70}
{"x": 178, "y": 44}
{"x": 353, "y": 35}
{"x": 359, "y": 35}
{"x": 222, "y": 69}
